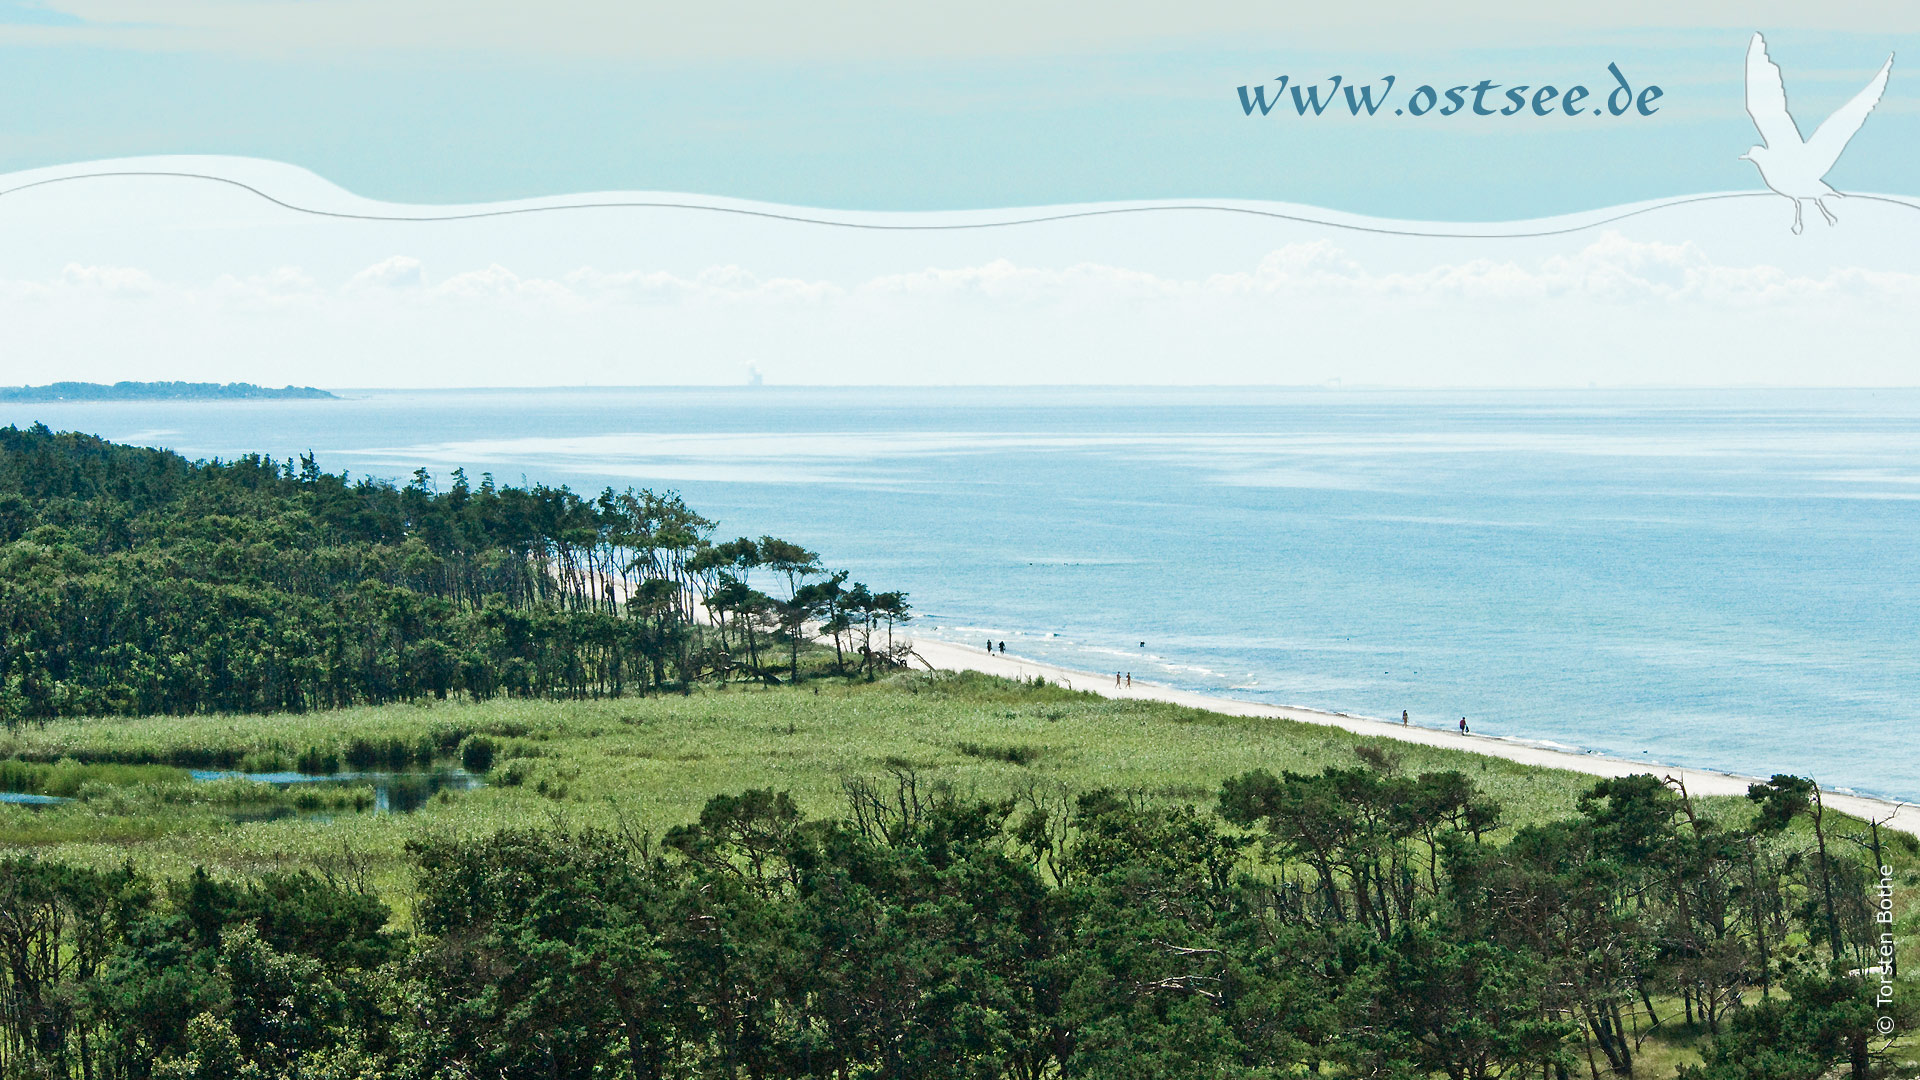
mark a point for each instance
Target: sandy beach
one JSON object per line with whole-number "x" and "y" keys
{"x": 951, "y": 657}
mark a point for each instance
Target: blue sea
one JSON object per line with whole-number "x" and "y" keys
{"x": 1724, "y": 579}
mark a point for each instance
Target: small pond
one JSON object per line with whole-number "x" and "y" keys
{"x": 393, "y": 792}
{"x": 21, "y": 798}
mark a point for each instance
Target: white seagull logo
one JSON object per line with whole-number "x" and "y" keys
{"x": 1793, "y": 166}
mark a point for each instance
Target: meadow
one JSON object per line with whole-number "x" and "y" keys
{"x": 647, "y": 764}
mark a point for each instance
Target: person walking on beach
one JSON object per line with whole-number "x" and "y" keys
{"x": 1003, "y": 648}
{"x": 1129, "y": 680}
{"x": 1463, "y": 726}
{"x": 1403, "y": 718}
{"x": 1116, "y": 680}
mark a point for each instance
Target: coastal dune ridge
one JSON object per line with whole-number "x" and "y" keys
{"x": 948, "y": 656}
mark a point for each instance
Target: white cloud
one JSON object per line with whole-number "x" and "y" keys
{"x": 396, "y": 272}
{"x": 1612, "y": 269}
{"x": 714, "y": 283}
{"x": 113, "y": 280}
{"x": 1003, "y": 279}
{"x": 496, "y": 282}
{"x": 286, "y": 285}
{"x": 1614, "y": 309}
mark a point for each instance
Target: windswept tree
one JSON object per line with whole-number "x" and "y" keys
{"x": 801, "y": 604}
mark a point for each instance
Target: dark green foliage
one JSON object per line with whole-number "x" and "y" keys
{"x": 134, "y": 582}
{"x": 476, "y": 754}
{"x": 929, "y": 935}
{"x": 1781, "y": 800}
{"x": 1012, "y": 755}
{"x": 1470, "y": 1009}
{"x": 1826, "y": 1019}
{"x": 111, "y": 977}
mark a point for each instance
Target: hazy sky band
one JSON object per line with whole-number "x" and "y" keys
{"x": 861, "y": 108}
{"x": 778, "y": 30}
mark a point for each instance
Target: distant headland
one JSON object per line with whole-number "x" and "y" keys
{"x": 155, "y": 391}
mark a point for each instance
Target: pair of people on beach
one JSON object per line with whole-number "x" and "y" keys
{"x": 1003, "y": 647}
{"x": 1117, "y": 676}
{"x": 1404, "y": 719}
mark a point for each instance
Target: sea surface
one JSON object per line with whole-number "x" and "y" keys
{"x": 1723, "y": 579}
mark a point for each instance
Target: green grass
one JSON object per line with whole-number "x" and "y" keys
{"x": 66, "y": 777}
{"x": 647, "y": 764}
{"x": 650, "y": 763}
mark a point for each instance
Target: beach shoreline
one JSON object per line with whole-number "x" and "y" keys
{"x": 948, "y": 656}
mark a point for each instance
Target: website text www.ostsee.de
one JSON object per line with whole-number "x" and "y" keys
{"x": 1337, "y": 95}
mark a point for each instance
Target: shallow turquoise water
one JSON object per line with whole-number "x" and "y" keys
{"x": 1726, "y": 579}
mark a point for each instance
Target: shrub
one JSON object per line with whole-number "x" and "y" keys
{"x": 317, "y": 762}
{"x": 1022, "y": 754}
{"x": 476, "y": 754}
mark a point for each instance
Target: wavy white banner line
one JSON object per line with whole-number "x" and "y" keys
{"x": 1329, "y": 219}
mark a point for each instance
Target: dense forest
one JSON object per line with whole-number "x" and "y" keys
{"x": 133, "y": 581}
{"x": 1355, "y": 922}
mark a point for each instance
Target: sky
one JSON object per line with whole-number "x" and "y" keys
{"x": 859, "y": 106}
{"x": 157, "y": 276}
{"x": 864, "y": 104}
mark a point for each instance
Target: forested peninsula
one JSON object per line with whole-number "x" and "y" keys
{"x": 158, "y": 391}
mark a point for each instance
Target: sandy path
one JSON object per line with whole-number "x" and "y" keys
{"x": 951, "y": 657}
